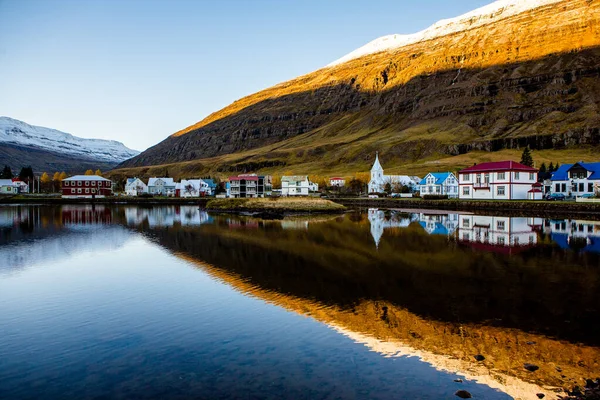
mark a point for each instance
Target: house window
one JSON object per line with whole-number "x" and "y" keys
{"x": 590, "y": 187}
{"x": 72, "y": 191}
{"x": 66, "y": 183}
{"x": 78, "y": 183}
{"x": 516, "y": 241}
{"x": 501, "y": 241}
{"x": 581, "y": 187}
{"x": 87, "y": 183}
{"x": 466, "y": 191}
{"x": 517, "y": 174}
{"x": 466, "y": 223}
{"x": 501, "y": 190}
{"x": 466, "y": 237}
{"x": 87, "y": 190}
{"x": 500, "y": 225}
{"x": 531, "y": 176}
{"x": 468, "y": 177}
{"x": 93, "y": 183}
{"x": 557, "y": 187}
{"x": 501, "y": 176}
{"x": 564, "y": 187}
{"x": 78, "y": 190}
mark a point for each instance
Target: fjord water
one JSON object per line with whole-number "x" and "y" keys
{"x": 171, "y": 302}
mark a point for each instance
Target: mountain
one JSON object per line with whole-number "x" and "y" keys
{"x": 48, "y": 149}
{"x": 510, "y": 74}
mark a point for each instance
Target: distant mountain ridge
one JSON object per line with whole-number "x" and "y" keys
{"x": 507, "y": 75}
{"x": 50, "y": 149}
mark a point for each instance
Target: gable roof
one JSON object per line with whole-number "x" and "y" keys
{"x": 440, "y": 177}
{"x": 294, "y": 178}
{"x": 86, "y": 178}
{"x": 168, "y": 181}
{"x": 562, "y": 173}
{"x": 6, "y": 182}
{"x": 498, "y": 166}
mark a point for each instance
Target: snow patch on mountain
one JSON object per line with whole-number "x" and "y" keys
{"x": 17, "y": 132}
{"x": 491, "y": 13}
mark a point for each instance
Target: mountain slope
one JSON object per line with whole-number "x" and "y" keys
{"x": 49, "y": 149}
{"x": 515, "y": 76}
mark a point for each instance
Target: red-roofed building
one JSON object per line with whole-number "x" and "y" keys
{"x": 502, "y": 180}
{"x": 337, "y": 181}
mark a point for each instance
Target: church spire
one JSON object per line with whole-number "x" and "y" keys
{"x": 376, "y": 164}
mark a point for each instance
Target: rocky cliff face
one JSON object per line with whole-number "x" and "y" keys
{"x": 530, "y": 78}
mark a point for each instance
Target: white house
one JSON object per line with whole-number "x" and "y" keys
{"x": 379, "y": 180}
{"x": 501, "y": 234}
{"x": 194, "y": 188}
{"x": 313, "y": 187}
{"x": 161, "y": 186}
{"x": 439, "y": 183}
{"x": 135, "y": 187}
{"x": 502, "y": 180}
{"x": 337, "y": 181}
{"x": 295, "y": 185}
{"x": 7, "y": 186}
{"x": 576, "y": 179}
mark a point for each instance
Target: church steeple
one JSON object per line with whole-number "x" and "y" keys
{"x": 376, "y": 164}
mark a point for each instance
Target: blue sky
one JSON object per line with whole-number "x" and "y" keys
{"x": 139, "y": 70}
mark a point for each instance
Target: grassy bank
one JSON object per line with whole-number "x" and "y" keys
{"x": 284, "y": 204}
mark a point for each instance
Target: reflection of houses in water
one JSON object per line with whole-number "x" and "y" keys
{"x": 433, "y": 222}
{"x": 86, "y": 214}
{"x": 14, "y": 215}
{"x": 499, "y": 234}
{"x": 381, "y": 220}
{"x": 575, "y": 234}
{"x": 436, "y": 223}
{"x": 166, "y": 216}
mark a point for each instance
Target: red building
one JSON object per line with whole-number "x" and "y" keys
{"x": 86, "y": 187}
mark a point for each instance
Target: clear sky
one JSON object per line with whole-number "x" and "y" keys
{"x": 139, "y": 70}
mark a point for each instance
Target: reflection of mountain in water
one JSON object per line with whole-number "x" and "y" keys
{"x": 421, "y": 291}
{"x": 425, "y": 293}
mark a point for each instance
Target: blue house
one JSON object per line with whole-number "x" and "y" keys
{"x": 576, "y": 179}
{"x": 212, "y": 186}
{"x": 439, "y": 183}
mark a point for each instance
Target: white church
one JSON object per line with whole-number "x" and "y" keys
{"x": 378, "y": 179}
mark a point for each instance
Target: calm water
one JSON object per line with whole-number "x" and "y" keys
{"x": 173, "y": 303}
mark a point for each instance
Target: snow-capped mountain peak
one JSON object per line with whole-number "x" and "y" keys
{"x": 490, "y": 13}
{"x": 19, "y": 133}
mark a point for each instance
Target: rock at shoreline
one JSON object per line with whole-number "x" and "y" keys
{"x": 463, "y": 394}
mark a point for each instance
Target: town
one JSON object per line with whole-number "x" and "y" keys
{"x": 499, "y": 180}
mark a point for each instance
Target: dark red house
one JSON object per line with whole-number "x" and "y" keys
{"x": 86, "y": 187}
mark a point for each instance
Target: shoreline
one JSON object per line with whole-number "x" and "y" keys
{"x": 553, "y": 208}
{"x": 558, "y": 208}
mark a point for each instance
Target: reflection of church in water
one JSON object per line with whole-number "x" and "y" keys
{"x": 433, "y": 222}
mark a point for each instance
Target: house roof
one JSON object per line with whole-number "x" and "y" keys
{"x": 336, "y": 178}
{"x": 498, "y": 166}
{"x": 210, "y": 182}
{"x": 168, "y": 181}
{"x": 562, "y": 173}
{"x": 86, "y": 178}
{"x": 294, "y": 178}
{"x": 440, "y": 177}
{"x": 6, "y": 182}
{"x": 245, "y": 177}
